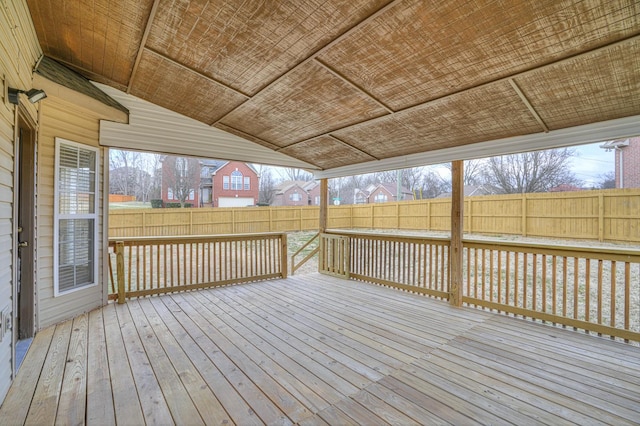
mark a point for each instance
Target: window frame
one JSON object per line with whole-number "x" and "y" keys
{"x": 58, "y": 217}
{"x": 236, "y": 180}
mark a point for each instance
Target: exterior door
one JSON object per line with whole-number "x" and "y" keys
{"x": 24, "y": 240}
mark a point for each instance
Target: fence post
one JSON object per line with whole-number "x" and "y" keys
{"x": 120, "y": 270}
{"x": 190, "y": 222}
{"x": 601, "y": 217}
{"x": 284, "y": 267}
{"x": 233, "y": 220}
{"x": 524, "y": 215}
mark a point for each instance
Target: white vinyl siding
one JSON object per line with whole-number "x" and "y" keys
{"x": 61, "y": 119}
{"x": 76, "y": 216}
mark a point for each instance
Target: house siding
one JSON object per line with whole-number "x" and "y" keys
{"x": 19, "y": 51}
{"x": 64, "y": 120}
{"x": 630, "y": 165}
{"x": 283, "y": 198}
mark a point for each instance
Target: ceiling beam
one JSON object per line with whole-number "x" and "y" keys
{"x": 499, "y": 80}
{"x": 530, "y": 107}
{"x": 188, "y": 68}
{"x": 353, "y": 147}
{"x": 143, "y": 42}
{"x": 354, "y": 85}
{"x": 319, "y": 52}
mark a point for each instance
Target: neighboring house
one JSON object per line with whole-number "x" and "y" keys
{"x": 470, "y": 191}
{"x": 228, "y": 184}
{"x": 627, "y": 161}
{"x": 313, "y": 191}
{"x": 291, "y": 193}
{"x": 381, "y": 193}
{"x": 214, "y": 183}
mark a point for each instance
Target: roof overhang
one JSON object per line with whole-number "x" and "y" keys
{"x": 156, "y": 129}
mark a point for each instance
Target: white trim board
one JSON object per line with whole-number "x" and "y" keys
{"x": 571, "y": 136}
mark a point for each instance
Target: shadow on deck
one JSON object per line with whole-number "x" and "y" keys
{"x": 318, "y": 350}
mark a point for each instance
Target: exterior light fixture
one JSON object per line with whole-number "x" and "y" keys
{"x": 34, "y": 95}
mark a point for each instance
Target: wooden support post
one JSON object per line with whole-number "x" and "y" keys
{"x": 120, "y": 270}
{"x": 457, "y": 223}
{"x": 283, "y": 256}
{"x": 324, "y": 205}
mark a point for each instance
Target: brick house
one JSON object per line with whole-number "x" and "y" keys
{"x": 380, "y": 193}
{"x": 291, "y": 193}
{"x": 627, "y": 161}
{"x": 313, "y": 190}
{"x": 228, "y": 184}
{"x": 213, "y": 183}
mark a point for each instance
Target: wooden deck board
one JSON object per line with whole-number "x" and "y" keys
{"x": 316, "y": 350}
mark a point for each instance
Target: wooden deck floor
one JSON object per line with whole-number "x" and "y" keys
{"x": 317, "y": 350}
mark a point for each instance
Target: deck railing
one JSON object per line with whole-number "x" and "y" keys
{"x": 334, "y": 255}
{"x": 409, "y": 263}
{"x": 147, "y": 265}
{"x": 593, "y": 289}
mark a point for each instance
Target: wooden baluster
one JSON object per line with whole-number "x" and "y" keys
{"x": 600, "y": 290}
{"x": 120, "y": 271}
{"x": 612, "y": 321}
{"x": 627, "y": 295}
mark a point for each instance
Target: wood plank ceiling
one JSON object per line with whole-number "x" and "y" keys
{"x": 340, "y": 82}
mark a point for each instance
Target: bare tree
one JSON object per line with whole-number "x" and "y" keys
{"x": 607, "y": 180}
{"x": 536, "y": 171}
{"x": 297, "y": 174}
{"x": 267, "y": 189}
{"x": 432, "y": 185}
{"x": 473, "y": 171}
{"x": 182, "y": 175}
{"x": 123, "y": 166}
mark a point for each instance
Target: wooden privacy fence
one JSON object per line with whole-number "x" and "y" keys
{"x": 146, "y": 266}
{"x": 592, "y": 289}
{"x": 609, "y": 215}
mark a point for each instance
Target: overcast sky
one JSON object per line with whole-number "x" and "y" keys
{"x": 592, "y": 162}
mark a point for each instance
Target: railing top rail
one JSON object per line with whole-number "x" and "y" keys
{"x": 193, "y": 238}
{"x": 389, "y": 237}
{"x": 625, "y": 254}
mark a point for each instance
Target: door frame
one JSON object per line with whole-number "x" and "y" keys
{"x": 24, "y": 185}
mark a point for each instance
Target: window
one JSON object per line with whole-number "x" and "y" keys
{"x": 317, "y": 200}
{"x": 192, "y": 194}
{"x": 295, "y": 197}
{"x": 247, "y": 183}
{"x": 170, "y": 194}
{"x": 380, "y": 198}
{"x": 225, "y": 182}
{"x": 236, "y": 180}
{"x": 75, "y": 216}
